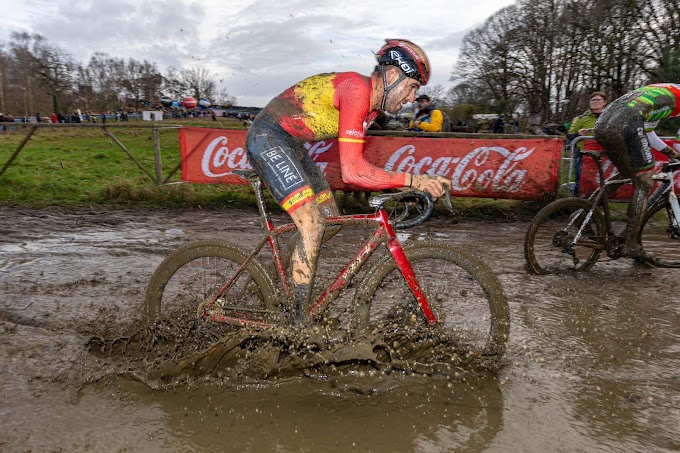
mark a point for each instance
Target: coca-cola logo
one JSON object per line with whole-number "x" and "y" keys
{"x": 317, "y": 149}
{"x": 218, "y": 160}
{"x": 470, "y": 172}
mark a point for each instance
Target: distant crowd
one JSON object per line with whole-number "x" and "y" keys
{"x": 122, "y": 115}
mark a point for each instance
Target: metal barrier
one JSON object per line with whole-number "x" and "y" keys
{"x": 106, "y": 128}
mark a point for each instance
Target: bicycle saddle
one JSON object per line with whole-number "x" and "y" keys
{"x": 245, "y": 174}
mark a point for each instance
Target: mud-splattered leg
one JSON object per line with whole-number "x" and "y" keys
{"x": 310, "y": 221}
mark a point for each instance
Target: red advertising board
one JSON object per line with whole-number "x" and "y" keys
{"x": 515, "y": 168}
{"x": 590, "y": 179}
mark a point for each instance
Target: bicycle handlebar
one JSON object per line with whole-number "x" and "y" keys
{"x": 672, "y": 164}
{"x": 421, "y": 200}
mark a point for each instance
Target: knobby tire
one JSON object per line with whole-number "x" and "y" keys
{"x": 654, "y": 235}
{"x": 554, "y": 227}
{"x": 192, "y": 274}
{"x": 463, "y": 292}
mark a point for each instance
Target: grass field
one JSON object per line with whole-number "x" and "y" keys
{"x": 83, "y": 166}
{"x": 77, "y": 167}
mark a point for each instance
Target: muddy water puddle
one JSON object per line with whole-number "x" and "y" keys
{"x": 593, "y": 362}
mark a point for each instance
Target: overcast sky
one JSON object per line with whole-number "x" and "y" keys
{"x": 254, "y": 48}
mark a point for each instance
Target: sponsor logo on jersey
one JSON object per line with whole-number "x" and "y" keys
{"x": 403, "y": 64}
{"x": 661, "y": 110}
{"x": 324, "y": 197}
{"x": 297, "y": 199}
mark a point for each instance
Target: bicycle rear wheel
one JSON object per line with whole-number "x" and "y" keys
{"x": 462, "y": 291}
{"x": 547, "y": 244}
{"x": 659, "y": 236}
{"x": 191, "y": 276}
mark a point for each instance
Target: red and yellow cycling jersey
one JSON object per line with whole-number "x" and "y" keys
{"x": 335, "y": 105}
{"x": 311, "y": 109}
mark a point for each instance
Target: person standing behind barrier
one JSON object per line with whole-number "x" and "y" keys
{"x": 626, "y": 130}
{"x": 583, "y": 125}
{"x": 498, "y": 126}
{"x": 428, "y": 118}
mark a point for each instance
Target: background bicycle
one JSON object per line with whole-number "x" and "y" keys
{"x": 571, "y": 233}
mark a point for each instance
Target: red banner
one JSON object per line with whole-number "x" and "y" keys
{"x": 521, "y": 168}
{"x": 591, "y": 181}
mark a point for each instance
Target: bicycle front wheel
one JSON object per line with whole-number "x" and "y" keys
{"x": 464, "y": 293}
{"x": 191, "y": 276}
{"x": 659, "y": 235}
{"x": 548, "y": 247}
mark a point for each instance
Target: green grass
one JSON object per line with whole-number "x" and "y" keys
{"x": 73, "y": 167}
{"x": 76, "y": 167}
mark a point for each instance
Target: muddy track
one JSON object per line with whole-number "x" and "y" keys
{"x": 591, "y": 366}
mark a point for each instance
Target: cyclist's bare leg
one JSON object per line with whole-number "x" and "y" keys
{"x": 642, "y": 183}
{"x": 329, "y": 209}
{"x": 310, "y": 221}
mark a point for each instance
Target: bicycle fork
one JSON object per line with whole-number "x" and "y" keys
{"x": 668, "y": 181}
{"x": 407, "y": 271}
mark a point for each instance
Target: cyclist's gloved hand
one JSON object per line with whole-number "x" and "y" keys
{"x": 671, "y": 153}
{"x": 434, "y": 185}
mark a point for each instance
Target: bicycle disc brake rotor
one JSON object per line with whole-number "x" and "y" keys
{"x": 562, "y": 239}
{"x": 673, "y": 232}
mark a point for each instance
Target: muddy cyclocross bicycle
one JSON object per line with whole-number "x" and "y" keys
{"x": 571, "y": 233}
{"x": 443, "y": 286}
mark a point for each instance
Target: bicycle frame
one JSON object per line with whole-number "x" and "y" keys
{"x": 608, "y": 185}
{"x": 667, "y": 187}
{"x": 384, "y": 233}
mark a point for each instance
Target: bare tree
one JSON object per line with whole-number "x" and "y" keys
{"x": 141, "y": 81}
{"x": 4, "y": 79}
{"x": 437, "y": 93}
{"x": 52, "y": 68}
{"x": 224, "y": 98}
{"x": 485, "y": 66}
{"x": 542, "y": 57}
{"x": 198, "y": 83}
{"x": 104, "y": 75}
{"x": 660, "y": 24}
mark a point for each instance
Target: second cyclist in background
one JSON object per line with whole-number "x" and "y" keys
{"x": 626, "y": 130}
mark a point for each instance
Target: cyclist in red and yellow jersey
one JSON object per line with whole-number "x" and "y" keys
{"x": 626, "y": 130}
{"x": 327, "y": 106}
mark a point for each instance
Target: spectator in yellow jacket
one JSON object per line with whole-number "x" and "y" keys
{"x": 427, "y": 118}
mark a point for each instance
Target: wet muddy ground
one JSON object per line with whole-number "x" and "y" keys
{"x": 593, "y": 362}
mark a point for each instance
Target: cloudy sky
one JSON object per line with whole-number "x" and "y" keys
{"x": 254, "y": 48}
